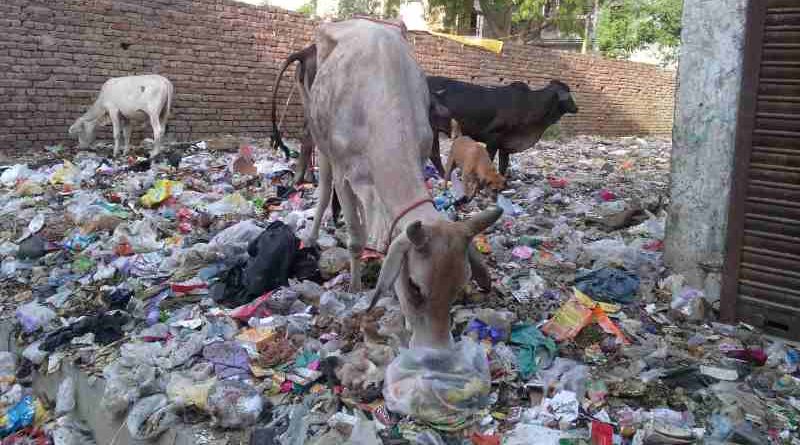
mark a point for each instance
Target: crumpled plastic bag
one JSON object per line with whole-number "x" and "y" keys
{"x": 443, "y": 387}
{"x": 125, "y": 383}
{"x": 535, "y": 350}
{"x": 162, "y": 190}
{"x": 16, "y": 173}
{"x": 27, "y": 412}
{"x": 235, "y": 239}
{"x": 140, "y": 235}
{"x": 65, "y": 399}
{"x": 234, "y": 204}
{"x": 66, "y": 173}
{"x": 150, "y": 417}
{"x": 34, "y": 316}
{"x": 234, "y": 404}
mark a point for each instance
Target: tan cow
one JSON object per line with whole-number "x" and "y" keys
{"x": 368, "y": 113}
{"x": 121, "y": 100}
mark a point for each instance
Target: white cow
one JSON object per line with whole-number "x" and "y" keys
{"x": 368, "y": 113}
{"x": 123, "y": 99}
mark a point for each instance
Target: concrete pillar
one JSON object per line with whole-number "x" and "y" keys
{"x": 709, "y": 80}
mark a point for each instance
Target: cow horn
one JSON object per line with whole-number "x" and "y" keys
{"x": 479, "y": 272}
{"x": 482, "y": 221}
{"x": 395, "y": 258}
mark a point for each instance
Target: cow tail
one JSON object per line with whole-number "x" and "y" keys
{"x": 168, "y": 106}
{"x": 277, "y": 140}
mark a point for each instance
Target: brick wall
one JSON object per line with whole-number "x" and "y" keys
{"x": 222, "y": 57}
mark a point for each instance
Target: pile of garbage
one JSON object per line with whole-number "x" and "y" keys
{"x": 184, "y": 285}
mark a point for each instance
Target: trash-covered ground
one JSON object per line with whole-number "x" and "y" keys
{"x": 185, "y": 285}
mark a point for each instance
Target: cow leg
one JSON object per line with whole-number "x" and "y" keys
{"x": 158, "y": 132}
{"x": 306, "y": 148}
{"x": 126, "y": 133}
{"x": 436, "y": 157}
{"x": 451, "y": 163}
{"x": 336, "y": 208}
{"x": 503, "y": 162}
{"x": 325, "y": 188}
{"x": 356, "y": 232}
{"x": 115, "y": 126}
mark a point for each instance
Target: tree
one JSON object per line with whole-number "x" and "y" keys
{"x": 379, "y": 8}
{"x": 523, "y": 20}
{"x": 626, "y": 26}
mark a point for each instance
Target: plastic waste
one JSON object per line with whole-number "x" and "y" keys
{"x": 526, "y": 434}
{"x": 162, "y": 190}
{"x": 66, "y": 174}
{"x": 126, "y": 381}
{"x": 566, "y": 375}
{"x": 509, "y": 208}
{"x": 34, "y": 353}
{"x": 33, "y": 316}
{"x": 26, "y": 412}
{"x": 150, "y": 417}
{"x": 234, "y": 204}
{"x": 65, "y": 399}
{"x": 234, "y": 404}
{"x": 333, "y": 261}
{"x": 329, "y": 304}
{"x": 140, "y": 235}
{"x": 8, "y": 370}
{"x": 568, "y": 321}
{"x": 16, "y": 173}
{"x": 364, "y": 432}
{"x": 442, "y": 387}
{"x": 535, "y": 350}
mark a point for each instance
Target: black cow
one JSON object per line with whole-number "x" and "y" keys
{"x": 508, "y": 119}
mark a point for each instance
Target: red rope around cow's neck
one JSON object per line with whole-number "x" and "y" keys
{"x": 399, "y": 216}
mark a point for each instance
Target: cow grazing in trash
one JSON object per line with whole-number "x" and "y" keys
{"x": 121, "y": 100}
{"x": 368, "y": 113}
{"x": 508, "y": 119}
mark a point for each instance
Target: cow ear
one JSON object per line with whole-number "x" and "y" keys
{"x": 392, "y": 264}
{"x": 417, "y": 234}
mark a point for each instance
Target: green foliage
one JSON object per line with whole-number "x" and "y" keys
{"x": 523, "y": 19}
{"x": 629, "y": 25}
{"x": 308, "y": 9}
{"x": 386, "y": 9}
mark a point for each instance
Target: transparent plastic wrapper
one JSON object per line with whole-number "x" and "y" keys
{"x": 150, "y": 417}
{"x": 8, "y": 370}
{"x": 125, "y": 384}
{"x": 33, "y": 316}
{"x": 16, "y": 173}
{"x": 185, "y": 391}
{"x": 66, "y": 173}
{"x": 65, "y": 399}
{"x": 445, "y": 388}
{"x": 140, "y": 235}
{"x": 606, "y": 252}
{"x": 364, "y": 432}
{"x": 34, "y": 353}
{"x": 234, "y": 204}
{"x": 234, "y": 404}
{"x": 236, "y": 237}
{"x": 566, "y": 375}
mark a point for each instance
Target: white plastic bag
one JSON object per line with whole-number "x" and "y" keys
{"x": 442, "y": 387}
{"x": 65, "y": 400}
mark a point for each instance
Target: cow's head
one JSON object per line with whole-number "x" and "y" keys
{"x": 428, "y": 264}
{"x": 566, "y": 104}
{"x": 84, "y": 129}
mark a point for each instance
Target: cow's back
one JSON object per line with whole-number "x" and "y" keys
{"x": 369, "y": 112}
